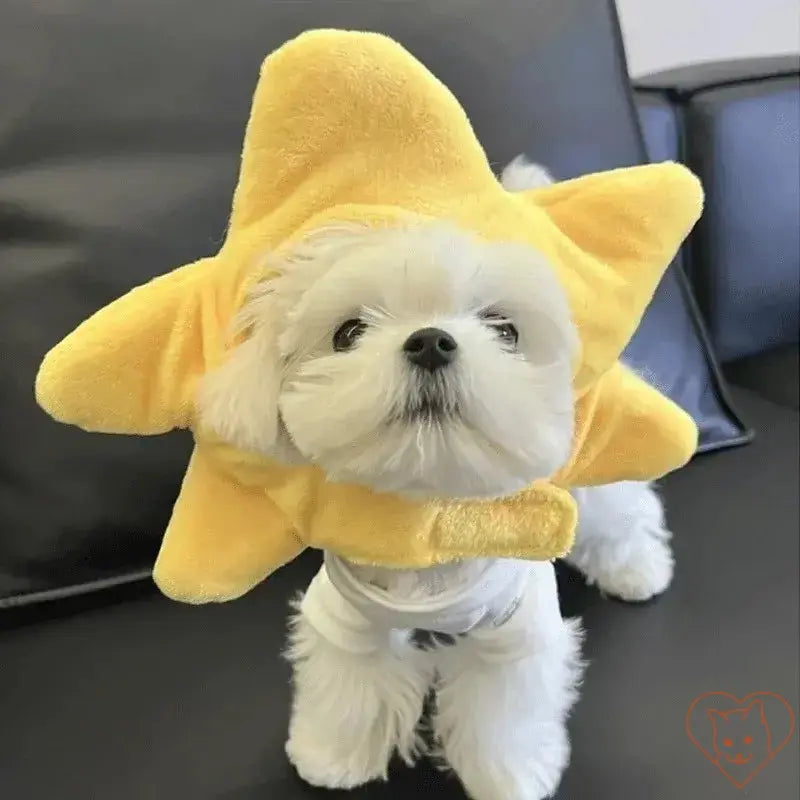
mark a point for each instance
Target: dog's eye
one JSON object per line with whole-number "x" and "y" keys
{"x": 506, "y": 331}
{"x": 347, "y": 334}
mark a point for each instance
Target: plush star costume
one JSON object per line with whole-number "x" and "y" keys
{"x": 350, "y": 127}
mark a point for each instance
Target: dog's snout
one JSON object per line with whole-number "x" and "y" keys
{"x": 430, "y": 348}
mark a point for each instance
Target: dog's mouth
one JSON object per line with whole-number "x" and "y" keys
{"x": 431, "y": 401}
{"x": 428, "y": 410}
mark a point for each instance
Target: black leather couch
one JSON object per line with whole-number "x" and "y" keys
{"x": 120, "y": 127}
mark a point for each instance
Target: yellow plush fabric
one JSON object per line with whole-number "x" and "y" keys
{"x": 348, "y": 126}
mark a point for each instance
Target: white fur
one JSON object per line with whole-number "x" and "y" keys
{"x": 344, "y": 411}
{"x": 503, "y": 698}
{"x": 352, "y": 711}
{"x": 239, "y": 401}
{"x": 503, "y": 693}
{"x": 521, "y": 174}
{"x": 622, "y": 542}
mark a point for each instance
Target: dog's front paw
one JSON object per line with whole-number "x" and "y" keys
{"x": 622, "y": 544}
{"x": 525, "y": 770}
{"x": 635, "y": 570}
{"x": 353, "y": 710}
{"x": 647, "y": 574}
{"x": 327, "y": 764}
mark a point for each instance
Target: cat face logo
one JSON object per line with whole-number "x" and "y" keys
{"x": 740, "y": 737}
{"x": 742, "y": 734}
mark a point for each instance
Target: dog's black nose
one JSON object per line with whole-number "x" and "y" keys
{"x": 430, "y": 348}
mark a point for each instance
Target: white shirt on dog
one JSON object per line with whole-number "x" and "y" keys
{"x": 351, "y": 604}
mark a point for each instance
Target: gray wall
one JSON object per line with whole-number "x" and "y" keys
{"x": 665, "y": 33}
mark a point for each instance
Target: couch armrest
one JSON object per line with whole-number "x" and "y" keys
{"x": 735, "y": 123}
{"x": 683, "y": 82}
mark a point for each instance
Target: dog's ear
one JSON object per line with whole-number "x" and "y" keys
{"x": 238, "y": 401}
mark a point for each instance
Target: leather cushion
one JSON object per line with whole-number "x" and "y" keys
{"x": 774, "y": 374}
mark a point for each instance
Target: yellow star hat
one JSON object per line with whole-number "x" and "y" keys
{"x": 348, "y": 126}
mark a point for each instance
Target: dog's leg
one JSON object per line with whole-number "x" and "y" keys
{"x": 504, "y": 695}
{"x": 622, "y": 543}
{"x": 358, "y": 692}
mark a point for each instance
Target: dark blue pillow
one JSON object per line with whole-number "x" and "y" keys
{"x": 671, "y": 348}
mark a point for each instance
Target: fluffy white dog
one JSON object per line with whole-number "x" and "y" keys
{"x": 422, "y": 361}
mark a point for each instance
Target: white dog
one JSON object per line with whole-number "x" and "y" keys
{"x": 422, "y": 361}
